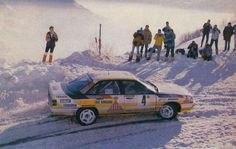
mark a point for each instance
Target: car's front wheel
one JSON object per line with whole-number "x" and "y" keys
{"x": 86, "y": 116}
{"x": 168, "y": 111}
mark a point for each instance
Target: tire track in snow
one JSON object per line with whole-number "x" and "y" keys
{"x": 40, "y": 137}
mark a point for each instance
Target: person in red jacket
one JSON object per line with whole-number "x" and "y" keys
{"x": 51, "y": 38}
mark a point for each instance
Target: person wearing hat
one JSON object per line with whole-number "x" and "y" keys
{"x": 51, "y": 38}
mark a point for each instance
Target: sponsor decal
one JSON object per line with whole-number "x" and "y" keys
{"x": 61, "y": 96}
{"x": 115, "y": 107}
{"x": 103, "y": 101}
{"x": 70, "y": 106}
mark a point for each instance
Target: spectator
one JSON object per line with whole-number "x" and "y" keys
{"x": 227, "y": 33}
{"x": 147, "y": 40}
{"x": 170, "y": 44}
{"x": 206, "y": 53}
{"x": 159, "y": 40}
{"x": 166, "y": 28}
{"x": 51, "y": 38}
{"x": 193, "y": 50}
{"x": 214, "y": 38}
{"x": 206, "y": 31}
{"x": 137, "y": 42}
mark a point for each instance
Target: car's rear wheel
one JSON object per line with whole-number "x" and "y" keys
{"x": 168, "y": 111}
{"x": 86, "y": 116}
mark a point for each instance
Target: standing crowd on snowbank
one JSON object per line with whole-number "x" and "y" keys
{"x": 142, "y": 39}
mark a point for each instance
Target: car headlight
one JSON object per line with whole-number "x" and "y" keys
{"x": 63, "y": 101}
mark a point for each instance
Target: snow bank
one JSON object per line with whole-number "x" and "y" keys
{"x": 23, "y": 99}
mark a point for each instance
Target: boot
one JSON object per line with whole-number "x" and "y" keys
{"x": 50, "y": 59}
{"x": 130, "y": 58}
{"x": 138, "y": 58}
{"x": 44, "y": 58}
{"x": 217, "y": 51}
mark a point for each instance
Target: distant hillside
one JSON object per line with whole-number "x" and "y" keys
{"x": 216, "y": 5}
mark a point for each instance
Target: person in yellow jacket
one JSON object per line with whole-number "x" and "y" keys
{"x": 51, "y": 38}
{"x": 137, "y": 42}
{"x": 159, "y": 40}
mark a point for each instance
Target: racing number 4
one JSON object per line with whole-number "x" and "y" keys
{"x": 144, "y": 100}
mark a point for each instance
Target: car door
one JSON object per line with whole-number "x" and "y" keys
{"x": 137, "y": 98}
{"x": 107, "y": 95}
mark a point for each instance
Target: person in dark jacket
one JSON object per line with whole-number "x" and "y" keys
{"x": 193, "y": 50}
{"x": 227, "y": 33}
{"x": 51, "y": 38}
{"x": 137, "y": 42}
{"x": 206, "y": 53}
{"x": 214, "y": 38}
{"x": 170, "y": 44}
{"x": 166, "y": 28}
{"x": 206, "y": 31}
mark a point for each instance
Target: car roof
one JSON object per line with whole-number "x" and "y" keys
{"x": 112, "y": 75}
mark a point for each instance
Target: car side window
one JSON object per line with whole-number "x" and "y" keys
{"x": 134, "y": 87}
{"x": 105, "y": 88}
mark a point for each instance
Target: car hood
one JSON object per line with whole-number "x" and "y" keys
{"x": 170, "y": 88}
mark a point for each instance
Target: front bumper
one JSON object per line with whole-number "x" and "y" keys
{"x": 187, "y": 107}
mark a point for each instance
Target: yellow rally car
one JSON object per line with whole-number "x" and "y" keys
{"x": 116, "y": 92}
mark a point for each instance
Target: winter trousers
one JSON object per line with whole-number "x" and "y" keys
{"x": 216, "y": 44}
{"x": 227, "y": 44}
{"x": 132, "y": 51}
{"x": 170, "y": 49}
{"x": 49, "y": 48}
{"x": 203, "y": 37}
{"x": 158, "y": 52}
{"x": 146, "y": 49}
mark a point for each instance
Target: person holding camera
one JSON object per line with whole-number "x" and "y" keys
{"x": 51, "y": 39}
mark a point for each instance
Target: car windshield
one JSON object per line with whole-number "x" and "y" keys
{"x": 149, "y": 85}
{"x": 76, "y": 85}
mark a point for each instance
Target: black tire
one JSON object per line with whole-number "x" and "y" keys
{"x": 86, "y": 116}
{"x": 168, "y": 111}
